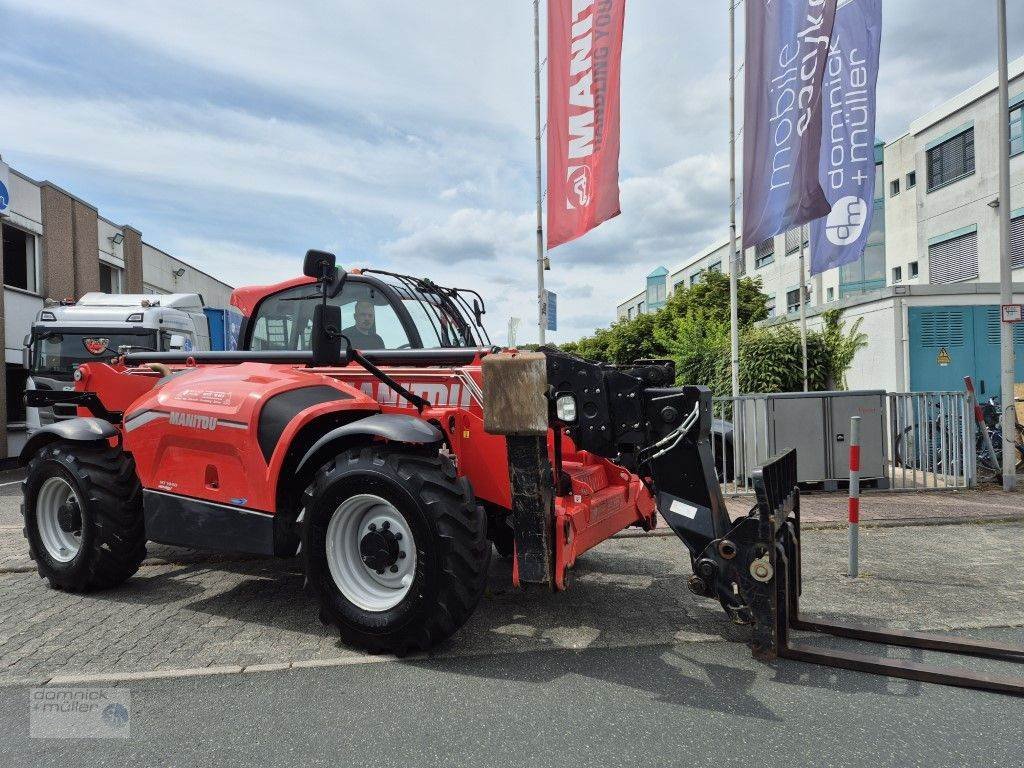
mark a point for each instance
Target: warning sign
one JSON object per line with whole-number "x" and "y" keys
{"x": 943, "y": 358}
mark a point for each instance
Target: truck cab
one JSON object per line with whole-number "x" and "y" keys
{"x": 64, "y": 336}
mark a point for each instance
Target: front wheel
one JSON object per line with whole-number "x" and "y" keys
{"x": 394, "y": 547}
{"x": 83, "y": 516}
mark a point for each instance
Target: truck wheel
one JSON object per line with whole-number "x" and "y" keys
{"x": 395, "y": 548}
{"x": 83, "y": 518}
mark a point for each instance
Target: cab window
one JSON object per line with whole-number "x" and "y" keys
{"x": 285, "y": 321}
{"x": 437, "y": 326}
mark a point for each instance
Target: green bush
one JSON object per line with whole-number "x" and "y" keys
{"x": 693, "y": 330}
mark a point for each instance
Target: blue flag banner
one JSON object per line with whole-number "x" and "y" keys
{"x": 786, "y": 50}
{"x": 847, "y": 167}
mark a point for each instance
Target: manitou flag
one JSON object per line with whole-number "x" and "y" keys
{"x": 787, "y": 45}
{"x": 847, "y": 168}
{"x": 584, "y": 58}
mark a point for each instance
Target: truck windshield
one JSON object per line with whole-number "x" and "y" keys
{"x": 59, "y": 353}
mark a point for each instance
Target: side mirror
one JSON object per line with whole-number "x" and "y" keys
{"x": 26, "y": 353}
{"x": 319, "y": 265}
{"x": 326, "y": 336}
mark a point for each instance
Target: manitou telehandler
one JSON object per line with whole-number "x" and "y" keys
{"x": 390, "y": 469}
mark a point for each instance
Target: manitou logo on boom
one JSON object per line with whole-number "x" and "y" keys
{"x": 193, "y": 420}
{"x": 435, "y": 392}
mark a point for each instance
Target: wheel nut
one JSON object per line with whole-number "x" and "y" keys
{"x": 385, "y": 525}
{"x": 394, "y": 569}
{"x": 398, "y": 536}
{"x": 373, "y": 526}
{"x": 401, "y": 555}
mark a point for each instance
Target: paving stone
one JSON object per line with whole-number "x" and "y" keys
{"x": 630, "y": 591}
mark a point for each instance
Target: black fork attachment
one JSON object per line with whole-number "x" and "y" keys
{"x": 767, "y": 569}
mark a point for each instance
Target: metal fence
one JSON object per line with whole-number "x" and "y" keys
{"x": 931, "y": 441}
{"x": 740, "y": 440}
{"x": 928, "y": 441}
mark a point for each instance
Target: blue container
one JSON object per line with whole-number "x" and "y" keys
{"x": 225, "y": 325}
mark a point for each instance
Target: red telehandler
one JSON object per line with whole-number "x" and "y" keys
{"x": 390, "y": 469}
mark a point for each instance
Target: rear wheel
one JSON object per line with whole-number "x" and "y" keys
{"x": 394, "y": 547}
{"x": 83, "y": 516}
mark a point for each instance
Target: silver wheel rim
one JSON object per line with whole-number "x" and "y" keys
{"x": 363, "y": 586}
{"x": 60, "y": 545}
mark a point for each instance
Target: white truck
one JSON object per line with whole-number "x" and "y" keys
{"x": 97, "y": 326}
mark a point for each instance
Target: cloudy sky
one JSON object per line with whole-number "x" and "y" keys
{"x": 400, "y": 134}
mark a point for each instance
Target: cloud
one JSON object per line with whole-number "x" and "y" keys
{"x": 466, "y": 235}
{"x": 253, "y": 130}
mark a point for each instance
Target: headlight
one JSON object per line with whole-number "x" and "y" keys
{"x": 565, "y": 408}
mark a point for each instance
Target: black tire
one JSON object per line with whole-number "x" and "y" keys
{"x": 452, "y": 549}
{"x": 503, "y": 537}
{"x": 113, "y": 537}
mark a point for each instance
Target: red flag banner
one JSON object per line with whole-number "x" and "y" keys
{"x": 584, "y": 62}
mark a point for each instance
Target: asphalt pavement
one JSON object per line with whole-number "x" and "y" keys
{"x": 685, "y": 704}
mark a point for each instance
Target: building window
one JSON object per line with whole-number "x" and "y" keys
{"x": 911, "y": 179}
{"x": 741, "y": 264}
{"x": 770, "y": 306}
{"x": 716, "y": 267}
{"x": 695, "y": 277}
{"x": 111, "y": 278}
{"x": 897, "y": 274}
{"x": 1017, "y": 130}
{"x": 793, "y": 299}
{"x": 629, "y": 313}
{"x": 831, "y": 293}
{"x": 792, "y": 241}
{"x": 764, "y": 253}
{"x": 1017, "y": 242}
{"x": 894, "y": 187}
{"x": 914, "y": 269}
{"x": 954, "y": 259}
{"x": 20, "y": 263}
{"x": 951, "y": 160}
{"x": 793, "y": 238}
{"x": 868, "y": 272}
{"x": 639, "y": 309}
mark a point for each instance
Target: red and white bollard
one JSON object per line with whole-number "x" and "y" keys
{"x": 979, "y": 419}
{"x": 854, "y": 495}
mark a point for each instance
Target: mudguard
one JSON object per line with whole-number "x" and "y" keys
{"x": 396, "y": 428}
{"x": 82, "y": 429}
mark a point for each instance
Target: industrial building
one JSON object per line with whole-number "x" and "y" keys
{"x": 57, "y": 246}
{"x": 927, "y": 286}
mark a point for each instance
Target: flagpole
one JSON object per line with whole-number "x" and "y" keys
{"x": 734, "y": 332}
{"x": 541, "y": 314}
{"x": 803, "y": 308}
{"x": 1007, "y": 357}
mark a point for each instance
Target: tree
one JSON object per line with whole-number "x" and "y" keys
{"x": 693, "y": 330}
{"x": 710, "y": 298}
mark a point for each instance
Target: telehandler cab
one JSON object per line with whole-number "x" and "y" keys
{"x": 389, "y": 470}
